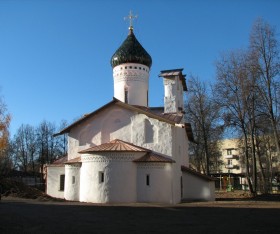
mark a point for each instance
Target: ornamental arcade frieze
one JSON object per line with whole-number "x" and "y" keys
{"x": 109, "y": 158}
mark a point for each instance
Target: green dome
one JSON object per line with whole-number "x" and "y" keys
{"x": 131, "y": 51}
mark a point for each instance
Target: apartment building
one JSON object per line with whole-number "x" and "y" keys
{"x": 231, "y": 174}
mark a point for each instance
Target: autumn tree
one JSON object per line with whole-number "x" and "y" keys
{"x": 5, "y": 119}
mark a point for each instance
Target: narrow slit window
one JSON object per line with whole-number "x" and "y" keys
{"x": 126, "y": 95}
{"x": 73, "y": 179}
{"x": 101, "y": 177}
{"x": 61, "y": 182}
{"x": 148, "y": 180}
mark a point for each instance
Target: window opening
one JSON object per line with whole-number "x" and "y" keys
{"x": 148, "y": 180}
{"x": 101, "y": 177}
{"x": 61, "y": 182}
{"x": 126, "y": 95}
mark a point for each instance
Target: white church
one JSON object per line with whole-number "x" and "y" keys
{"x": 126, "y": 151}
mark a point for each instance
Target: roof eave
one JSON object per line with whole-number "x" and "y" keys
{"x": 85, "y": 117}
{"x": 134, "y": 108}
{"x": 198, "y": 174}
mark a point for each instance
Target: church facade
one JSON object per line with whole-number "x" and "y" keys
{"x": 126, "y": 151}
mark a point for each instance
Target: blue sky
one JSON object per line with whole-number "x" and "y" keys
{"x": 55, "y": 54}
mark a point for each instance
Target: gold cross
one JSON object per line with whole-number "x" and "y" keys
{"x": 130, "y": 17}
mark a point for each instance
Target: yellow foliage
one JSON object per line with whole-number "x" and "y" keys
{"x": 5, "y": 120}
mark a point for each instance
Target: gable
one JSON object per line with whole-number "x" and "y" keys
{"x": 171, "y": 118}
{"x": 154, "y": 113}
{"x": 102, "y": 126}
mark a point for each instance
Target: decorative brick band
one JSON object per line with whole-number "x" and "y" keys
{"x": 108, "y": 158}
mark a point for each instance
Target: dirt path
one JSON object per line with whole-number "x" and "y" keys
{"x": 33, "y": 216}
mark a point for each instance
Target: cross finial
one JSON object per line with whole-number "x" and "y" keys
{"x": 130, "y": 17}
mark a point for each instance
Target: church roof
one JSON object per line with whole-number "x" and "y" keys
{"x": 171, "y": 118}
{"x": 59, "y": 162}
{"x": 131, "y": 51}
{"x": 153, "y": 157}
{"x": 196, "y": 173}
{"x": 152, "y": 112}
{"x": 123, "y": 146}
{"x": 175, "y": 117}
{"x": 74, "y": 160}
{"x": 115, "y": 145}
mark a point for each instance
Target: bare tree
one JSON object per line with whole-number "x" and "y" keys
{"x": 49, "y": 147}
{"x": 24, "y": 148}
{"x": 264, "y": 46}
{"x": 62, "y": 139}
{"x": 233, "y": 91}
{"x": 203, "y": 114}
{"x": 32, "y": 147}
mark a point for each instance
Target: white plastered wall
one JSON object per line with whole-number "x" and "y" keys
{"x": 108, "y": 125}
{"x": 180, "y": 155}
{"x": 160, "y": 185}
{"x": 135, "y": 79}
{"x": 197, "y": 188}
{"x": 72, "y": 182}
{"x": 173, "y": 94}
{"x": 123, "y": 124}
{"x": 53, "y": 181}
{"x": 162, "y": 141}
{"x": 119, "y": 177}
{"x": 120, "y": 123}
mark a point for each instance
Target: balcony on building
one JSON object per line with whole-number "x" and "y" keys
{"x": 231, "y": 156}
{"x": 229, "y": 166}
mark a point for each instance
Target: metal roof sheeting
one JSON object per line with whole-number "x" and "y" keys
{"x": 154, "y": 157}
{"x": 115, "y": 145}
